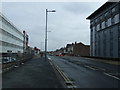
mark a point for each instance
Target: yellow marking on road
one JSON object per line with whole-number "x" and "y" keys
{"x": 66, "y": 79}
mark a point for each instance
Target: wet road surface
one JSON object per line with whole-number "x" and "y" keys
{"x": 87, "y": 73}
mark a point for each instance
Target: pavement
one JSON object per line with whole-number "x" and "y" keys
{"x": 105, "y": 61}
{"x": 36, "y": 73}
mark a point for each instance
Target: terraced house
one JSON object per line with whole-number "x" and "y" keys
{"x": 105, "y": 31}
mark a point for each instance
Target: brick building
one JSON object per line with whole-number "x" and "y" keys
{"x": 78, "y": 49}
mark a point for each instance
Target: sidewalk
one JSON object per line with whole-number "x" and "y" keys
{"x": 106, "y": 61}
{"x": 36, "y": 73}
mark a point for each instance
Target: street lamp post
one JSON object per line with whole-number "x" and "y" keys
{"x": 46, "y": 32}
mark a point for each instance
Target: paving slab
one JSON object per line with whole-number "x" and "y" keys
{"x": 36, "y": 73}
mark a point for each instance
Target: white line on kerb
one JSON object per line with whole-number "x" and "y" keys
{"x": 112, "y": 76}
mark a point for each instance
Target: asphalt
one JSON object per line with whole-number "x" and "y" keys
{"x": 86, "y": 73}
{"x": 36, "y": 73}
{"x": 111, "y": 68}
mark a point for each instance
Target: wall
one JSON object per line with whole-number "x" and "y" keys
{"x": 10, "y": 37}
{"x": 104, "y": 33}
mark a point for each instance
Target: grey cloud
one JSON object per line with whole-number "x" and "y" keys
{"x": 67, "y": 25}
{"x": 80, "y": 8}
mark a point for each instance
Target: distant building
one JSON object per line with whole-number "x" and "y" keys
{"x": 11, "y": 39}
{"x": 60, "y": 51}
{"x": 69, "y": 49}
{"x": 105, "y": 31}
{"x": 30, "y": 50}
{"x": 36, "y": 51}
{"x": 78, "y": 49}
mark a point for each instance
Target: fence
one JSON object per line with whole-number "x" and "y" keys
{"x": 11, "y": 60}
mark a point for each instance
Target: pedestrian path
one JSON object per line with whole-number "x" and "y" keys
{"x": 36, "y": 73}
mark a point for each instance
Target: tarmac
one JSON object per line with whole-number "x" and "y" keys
{"x": 36, "y": 73}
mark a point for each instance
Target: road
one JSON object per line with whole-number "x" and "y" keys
{"x": 87, "y": 73}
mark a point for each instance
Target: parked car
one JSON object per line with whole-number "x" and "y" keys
{"x": 59, "y": 55}
{"x": 5, "y": 60}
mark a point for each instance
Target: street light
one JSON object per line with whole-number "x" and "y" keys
{"x": 46, "y": 32}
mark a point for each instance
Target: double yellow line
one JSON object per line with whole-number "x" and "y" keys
{"x": 68, "y": 82}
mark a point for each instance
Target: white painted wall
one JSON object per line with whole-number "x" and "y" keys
{"x": 7, "y": 38}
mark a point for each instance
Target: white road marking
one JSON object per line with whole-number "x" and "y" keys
{"x": 112, "y": 76}
{"x": 90, "y": 67}
{"x": 49, "y": 58}
{"x": 16, "y": 66}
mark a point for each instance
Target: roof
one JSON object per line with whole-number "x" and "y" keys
{"x": 103, "y": 7}
{"x": 80, "y": 43}
{"x": 68, "y": 45}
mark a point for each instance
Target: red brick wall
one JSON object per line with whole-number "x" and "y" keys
{"x": 81, "y": 49}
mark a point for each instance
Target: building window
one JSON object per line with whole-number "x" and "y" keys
{"x": 109, "y": 12}
{"x": 103, "y": 25}
{"x": 98, "y": 27}
{"x": 104, "y": 43}
{"x": 101, "y": 17}
{"x": 113, "y": 20}
{"x": 92, "y": 23}
{"x": 99, "y": 44}
{"x": 116, "y": 18}
{"x": 106, "y": 23}
{"x": 106, "y": 14}
{"x": 111, "y": 43}
{"x": 93, "y": 34}
{"x": 109, "y": 22}
{"x": 96, "y": 20}
{"x": 113, "y": 9}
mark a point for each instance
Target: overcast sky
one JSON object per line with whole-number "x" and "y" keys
{"x": 67, "y": 25}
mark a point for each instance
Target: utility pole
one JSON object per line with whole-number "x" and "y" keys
{"x": 46, "y": 32}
